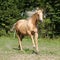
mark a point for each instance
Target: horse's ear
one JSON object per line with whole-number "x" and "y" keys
{"x": 37, "y": 8}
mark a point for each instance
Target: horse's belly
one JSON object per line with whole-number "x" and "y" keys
{"x": 23, "y": 31}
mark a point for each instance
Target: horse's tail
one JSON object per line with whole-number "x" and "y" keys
{"x": 13, "y": 28}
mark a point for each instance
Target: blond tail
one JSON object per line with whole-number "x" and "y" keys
{"x": 13, "y": 28}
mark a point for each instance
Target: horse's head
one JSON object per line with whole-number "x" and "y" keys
{"x": 40, "y": 13}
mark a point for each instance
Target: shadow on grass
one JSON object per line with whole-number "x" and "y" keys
{"x": 25, "y": 51}
{"x": 30, "y": 51}
{"x": 16, "y": 48}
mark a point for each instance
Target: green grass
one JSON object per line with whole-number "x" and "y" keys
{"x": 9, "y": 45}
{"x": 46, "y": 46}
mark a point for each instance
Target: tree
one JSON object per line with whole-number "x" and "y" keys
{"x": 13, "y": 10}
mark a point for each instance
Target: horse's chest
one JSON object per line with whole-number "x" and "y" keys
{"x": 31, "y": 27}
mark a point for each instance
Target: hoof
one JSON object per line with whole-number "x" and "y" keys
{"x": 37, "y": 53}
{"x": 34, "y": 47}
{"x": 23, "y": 51}
{"x": 19, "y": 47}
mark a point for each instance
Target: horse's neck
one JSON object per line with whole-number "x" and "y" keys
{"x": 34, "y": 19}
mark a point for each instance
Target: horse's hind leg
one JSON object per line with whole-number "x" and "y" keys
{"x": 20, "y": 42}
{"x": 21, "y": 37}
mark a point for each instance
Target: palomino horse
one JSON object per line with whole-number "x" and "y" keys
{"x": 29, "y": 27}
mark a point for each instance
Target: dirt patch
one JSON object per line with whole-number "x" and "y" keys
{"x": 28, "y": 57}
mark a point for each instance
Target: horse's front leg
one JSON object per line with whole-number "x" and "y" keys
{"x": 32, "y": 38}
{"x": 36, "y": 41}
{"x": 33, "y": 41}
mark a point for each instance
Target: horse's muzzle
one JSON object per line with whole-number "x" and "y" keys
{"x": 41, "y": 21}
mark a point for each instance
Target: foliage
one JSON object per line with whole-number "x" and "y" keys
{"x": 13, "y": 10}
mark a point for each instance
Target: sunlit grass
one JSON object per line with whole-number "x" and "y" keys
{"x": 9, "y": 45}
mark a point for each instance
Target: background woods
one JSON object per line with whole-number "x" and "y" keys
{"x": 13, "y": 10}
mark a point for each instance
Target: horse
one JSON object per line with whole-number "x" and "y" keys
{"x": 29, "y": 27}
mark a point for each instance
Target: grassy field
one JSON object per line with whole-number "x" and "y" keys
{"x": 49, "y": 49}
